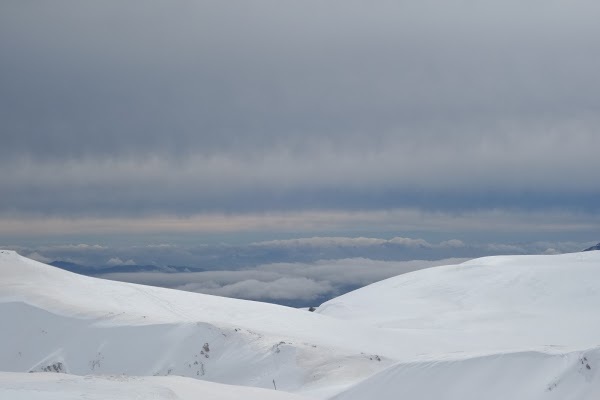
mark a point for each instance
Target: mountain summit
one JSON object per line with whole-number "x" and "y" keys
{"x": 596, "y": 247}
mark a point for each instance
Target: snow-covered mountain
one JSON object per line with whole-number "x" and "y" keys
{"x": 490, "y": 304}
{"x": 54, "y": 320}
{"x": 520, "y": 327}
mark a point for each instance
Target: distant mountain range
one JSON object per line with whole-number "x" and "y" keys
{"x": 596, "y": 247}
{"x": 95, "y": 271}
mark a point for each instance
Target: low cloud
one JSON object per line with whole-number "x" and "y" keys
{"x": 115, "y": 261}
{"x": 282, "y": 289}
{"x": 296, "y": 284}
{"x": 328, "y": 242}
{"x": 296, "y": 272}
{"x": 38, "y": 257}
{"x": 308, "y": 250}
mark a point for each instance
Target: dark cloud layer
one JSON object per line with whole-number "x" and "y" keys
{"x": 111, "y": 108}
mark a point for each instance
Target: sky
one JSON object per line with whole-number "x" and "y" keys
{"x": 125, "y": 125}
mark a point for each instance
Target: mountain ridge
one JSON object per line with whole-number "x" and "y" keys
{"x": 592, "y": 248}
{"x": 478, "y": 310}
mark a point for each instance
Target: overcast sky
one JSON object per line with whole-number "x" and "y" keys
{"x": 275, "y": 119}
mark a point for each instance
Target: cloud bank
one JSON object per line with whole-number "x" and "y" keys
{"x": 297, "y": 272}
{"x": 223, "y": 256}
{"x": 294, "y": 284}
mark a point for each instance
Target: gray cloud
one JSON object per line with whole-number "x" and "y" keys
{"x": 113, "y": 109}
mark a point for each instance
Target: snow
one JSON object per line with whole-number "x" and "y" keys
{"x": 503, "y": 303}
{"x": 94, "y": 326}
{"x": 518, "y": 327}
{"x": 524, "y": 375}
{"x": 522, "y": 327}
{"x": 48, "y": 386}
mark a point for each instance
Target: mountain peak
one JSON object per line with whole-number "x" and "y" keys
{"x": 596, "y": 247}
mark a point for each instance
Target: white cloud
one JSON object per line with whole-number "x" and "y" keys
{"x": 75, "y": 247}
{"x": 38, "y": 257}
{"x": 318, "y": 241}
{"x": 344, "y": 242}
{"x": 453, "y": 243}
{"x": 287, "y": 288}
{"x": 410, "y": 242}
{"x": 284, "y": 281}
{"x": 115, "y": 261}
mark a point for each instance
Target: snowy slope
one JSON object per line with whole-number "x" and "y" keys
{"x": 504, "y": 303}
{"x": 47, "y": 386}
{"x": 54, "y": 320}
{"x": 519, "y": 327}
{"x": 517, "y": 376}
{"x": 481, "y": 325}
